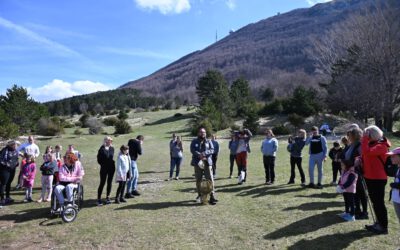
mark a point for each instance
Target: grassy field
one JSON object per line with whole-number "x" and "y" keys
{"x": 250, "y": 216}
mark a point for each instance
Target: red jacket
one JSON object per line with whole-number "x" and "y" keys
{"x": 374, "y": 156}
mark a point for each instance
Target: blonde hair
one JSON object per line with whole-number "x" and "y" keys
{"x": 374, "y": 132}
{"x": 269, "y": 131}
{"x": 303, "y": 132}
{"x": 107, "y": 138}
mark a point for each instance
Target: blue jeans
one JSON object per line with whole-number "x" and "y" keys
{"x": 175, "y": 161}
{"x": 133, "y": 182}
{"x": 316, "y": 159}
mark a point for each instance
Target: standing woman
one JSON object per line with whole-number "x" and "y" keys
{"x": 232, "y": 155}
{"x": 176, "y": 148}
{"x": 105, "y": 157}
{"x": 374, "y": 147}
{"x": 8, "y": 163}
{"x": 269, "y": 147}
{"x": 295, "y": 147}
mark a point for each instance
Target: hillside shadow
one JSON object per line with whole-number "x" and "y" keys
{"x": 159, "y": 205}
{"x": 169, "y": 119}
{"x": 315, "y": 206}
{"x": 306, "y": 225}
{"x": 320, "y": 195}
{"x": 341, "y": 241}
{"x": 27, "y": 215}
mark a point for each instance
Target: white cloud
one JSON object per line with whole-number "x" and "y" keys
{"x": 231, "y": 4}
{"x": 313, "y": 2}
{"x": 49, "y": 44}
{"x": 59, "y": 89}
{"x": 165, "y": 6}
{"x": 136, "y": 53}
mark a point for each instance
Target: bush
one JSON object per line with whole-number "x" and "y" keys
{"x": 272, "y": 108}
{"x": 83, "y": 119}
{"x": 235, "y": 127}
{"x": 251, "y": 122}
{"x": 67, "y": 124}
{"x": 78, "y": 124}
{"x": 9, "y": 130}
{"x": 122, "y": 115}
{"x": 122, "y": 127}
{"x": 281, "y": 130}
{"x": 95, "y": 126}
{"x": 77, "y": 132}
{"x": 296, "y": 120}
{"x": 155, "y": 109}
{"x": 110, "y": 121}
{"x": 49, "y": 127}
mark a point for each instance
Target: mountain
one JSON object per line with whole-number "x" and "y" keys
{"x": 273, "y": 52}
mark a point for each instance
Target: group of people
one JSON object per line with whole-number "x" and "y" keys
{"x": 361, "y": 163}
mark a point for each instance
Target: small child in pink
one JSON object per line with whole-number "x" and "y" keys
{"x": 28, "y": 176}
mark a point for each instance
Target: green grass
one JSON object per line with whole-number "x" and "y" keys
{"x": 250, "y": 216}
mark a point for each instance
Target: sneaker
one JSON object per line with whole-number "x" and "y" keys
{"x": 311, "y": 185}
{"x": 362, "y": 216}
{"x": 168, "y": 179}
{"x": 211, "y": 202}
{"x": 117, "y": 201}
{"x": 268, "y": 183}
{"x": 29, "y": 199}
{"x": 230, "y": 177}
{"x": 129, "y": 196}
{"x": 99, "y": 203}
{"x": 135, "y": 193}
{"x": 333, "y": 183}
{"x": 376, "y": 228}
{"x": 48, "y": 200}
{"x": 240, "y": 182}
{"x": 108, "y": 201}
{"x": 212, "y": 199}
{"x": 303, "y": 184}
{"x": 198, "y": 199}
{"x": 343, "y": 215}
{"x": 40, "y": 200}
{"x": 177, "y": 178}
{"x": 8, "y": 200}
{"x": 290, "y": 182}
{"x": 349, "y": 217}
{"x": 319, "y": 186}
{"x": 17, "y": 187}
{"x": 122, "y": 199}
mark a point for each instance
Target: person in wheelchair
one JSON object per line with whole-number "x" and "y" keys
{"x": 70, "y": 175}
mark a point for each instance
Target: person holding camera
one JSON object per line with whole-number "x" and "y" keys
{"x": 295, "y": 147}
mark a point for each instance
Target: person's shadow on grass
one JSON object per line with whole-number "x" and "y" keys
{"x": 27, "y": 215}
{"x": 307, "y": 225}
{"x": 159, "y": 205}
{"x": 332, "y": 241}
{"x": 309, "y": 206}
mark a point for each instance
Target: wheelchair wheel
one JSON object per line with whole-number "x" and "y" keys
{"x": 69, "y": 214}
{"x": 80, "y": 197}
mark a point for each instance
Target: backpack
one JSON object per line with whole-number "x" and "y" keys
{"x": 390, "y": 168}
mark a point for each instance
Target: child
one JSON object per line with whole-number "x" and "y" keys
{"x": 347, "y": 186}
{"x": 28, "y": 176}
{"x": 47, "y": 153}
{"x": 58, "y": 158}
{"x": 123, "y": 166}
{"x": 335, "y": 154}
{"x": 47, "y": 169}
{"x": 71, "y": 149}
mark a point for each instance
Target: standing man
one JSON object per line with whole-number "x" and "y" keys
{"x": 135, "y": 149}
{"x": 202, "y": 150}
{"x": 214, "y": 156}
{"x": 29, "y": 148}
{"x": 318, "y": 151}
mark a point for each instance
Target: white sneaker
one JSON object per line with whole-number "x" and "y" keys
{"x": 333, "y": 183}
{"x": 177, "y": 178}
{"x": 198, "y": 199}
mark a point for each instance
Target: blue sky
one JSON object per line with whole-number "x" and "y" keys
{"x": 62, "y": 48}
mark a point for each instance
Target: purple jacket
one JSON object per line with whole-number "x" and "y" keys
{"x": 29, "y": 172}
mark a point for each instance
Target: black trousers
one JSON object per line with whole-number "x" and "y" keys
{"x": 4, "y": 177}
{"x": 293, "y": 162}
{"x": 349, "y": 203}
{"x": 361, "y": 198}
{"x": 214, "y": 158}
{"x": 336, "y": 168}
{"x": 376, "y": 191}
{"x": 232, "y": 163}
{"x": 10, "y": 180}
{"x": 269, "y": 167}
{"x": 106, "y": 174}
{"x": 120, "y": 189}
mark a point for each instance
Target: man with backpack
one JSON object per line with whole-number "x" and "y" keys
{"x": 202, "y": 150}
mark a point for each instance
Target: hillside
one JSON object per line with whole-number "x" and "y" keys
{"x": 272, "y": 52}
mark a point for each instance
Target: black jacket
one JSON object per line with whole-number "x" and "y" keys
{"x": 135, "y": 149}
{"x": 8, "y": 158}
{"x": 106, "y": 157}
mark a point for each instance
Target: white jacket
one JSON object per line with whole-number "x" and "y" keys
{"x": 123, "y": 166}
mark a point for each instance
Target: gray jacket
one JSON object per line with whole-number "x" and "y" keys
{"x": 199, "y": 148}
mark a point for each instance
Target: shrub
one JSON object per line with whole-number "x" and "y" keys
{"x": 9, "y": 130}
{"x": 251, "y": 122}
{"x": 272, "y": 108}
{"x": 77, "y": 132}
{"x": 281, "y": 130}
{"x": 49, "y": 127}
{"x": 78, "y": 124}
{"x": 67, "y": 124}
{"x": 83, "y": 119}
{"x": 122, "y": 115}
{"x": 296, "y": 120}
{"x": 94, "y": 125}
{"x": 122, "y": 127}
{"x": 110, "y": 121}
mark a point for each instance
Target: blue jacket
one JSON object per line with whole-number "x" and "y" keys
{"x": 269, "y": 147}
{"x": 216, "y": 147}
{"x": 296, "y": 147}
{"x": 197, "y": 150}
{"x": 233, "y": 146}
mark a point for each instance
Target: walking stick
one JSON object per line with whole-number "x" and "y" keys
{"x": 366, "y": 196}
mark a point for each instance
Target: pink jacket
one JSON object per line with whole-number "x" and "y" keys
{"x": 73, "y": 176}
{"x": 28, "y": 171}
{"x": 343, "y": 180}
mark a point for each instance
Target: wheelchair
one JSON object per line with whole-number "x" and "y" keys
{"x": 70, "y": 210}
